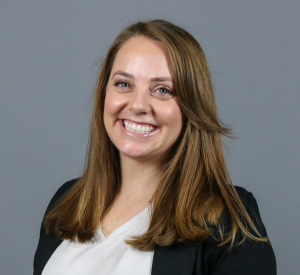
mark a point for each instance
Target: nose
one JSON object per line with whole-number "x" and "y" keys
{"x": 139, "y": 103}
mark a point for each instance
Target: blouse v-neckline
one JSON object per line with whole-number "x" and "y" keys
{"x": 122, "y": 229}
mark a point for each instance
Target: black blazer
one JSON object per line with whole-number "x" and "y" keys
{"x": 199, "y": 258}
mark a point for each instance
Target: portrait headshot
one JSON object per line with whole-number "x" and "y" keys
{"x": 150, "y": 138}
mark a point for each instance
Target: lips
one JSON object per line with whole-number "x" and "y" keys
{"x": 140, "y": 128}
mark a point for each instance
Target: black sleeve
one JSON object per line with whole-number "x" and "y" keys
{"x": 47, "y": 243}
{"x": 249, "y": 258}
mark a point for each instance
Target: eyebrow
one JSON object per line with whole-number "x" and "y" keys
{"x": 154, "y": 79}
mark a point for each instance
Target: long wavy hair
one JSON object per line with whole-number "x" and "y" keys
{"x": 195, "y": 189}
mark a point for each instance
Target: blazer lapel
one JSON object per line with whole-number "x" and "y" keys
{"x": 179, "y": 259}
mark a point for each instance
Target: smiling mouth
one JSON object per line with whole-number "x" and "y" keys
{"x": 138, "y": 128}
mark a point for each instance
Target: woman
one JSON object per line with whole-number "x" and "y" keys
{"x": 155, "y": 196}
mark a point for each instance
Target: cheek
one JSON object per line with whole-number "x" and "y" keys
{"x": 113, "y": 104}
{"x": 171, "y": 119}
{"x": 109, "y": 113}
{"x": 172, "y": 116}
{"x": 109, "y": 104}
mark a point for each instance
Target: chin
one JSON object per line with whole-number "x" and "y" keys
{"x": 135, "y": 155}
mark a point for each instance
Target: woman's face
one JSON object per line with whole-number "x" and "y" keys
{"x": 141, "y": 115}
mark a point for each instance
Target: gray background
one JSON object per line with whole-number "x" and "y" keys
{"x": 48, "y": 64}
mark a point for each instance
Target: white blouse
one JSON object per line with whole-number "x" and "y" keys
{"x": 104, "y": 256}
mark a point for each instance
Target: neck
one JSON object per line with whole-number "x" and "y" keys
{"x": 139, "y": 178}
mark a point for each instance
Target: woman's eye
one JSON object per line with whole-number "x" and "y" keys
{"x": 122, "y": 84}
{"x": 164, "y": 92}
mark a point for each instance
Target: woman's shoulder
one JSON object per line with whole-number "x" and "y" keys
{"x": 48, "y": 243}
{"x": 251, "y": 206}
{"x": 244, "y": 194}
{"x": 247, "y": 199}
{"x": 247, "y": 258}
{"x": 63, "y": 189}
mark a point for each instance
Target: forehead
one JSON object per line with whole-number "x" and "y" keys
{"x": 143, "y": 57}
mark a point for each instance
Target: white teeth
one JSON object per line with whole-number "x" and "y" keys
{"x": 137, "y": 128}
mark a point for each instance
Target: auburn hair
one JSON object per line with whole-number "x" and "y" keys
{"x": 195, "y": 190}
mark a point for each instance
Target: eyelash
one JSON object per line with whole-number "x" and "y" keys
{"x": 121, "y": 82}
{"x": 118, "y": 83}
{"x": 167, "y": 89}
